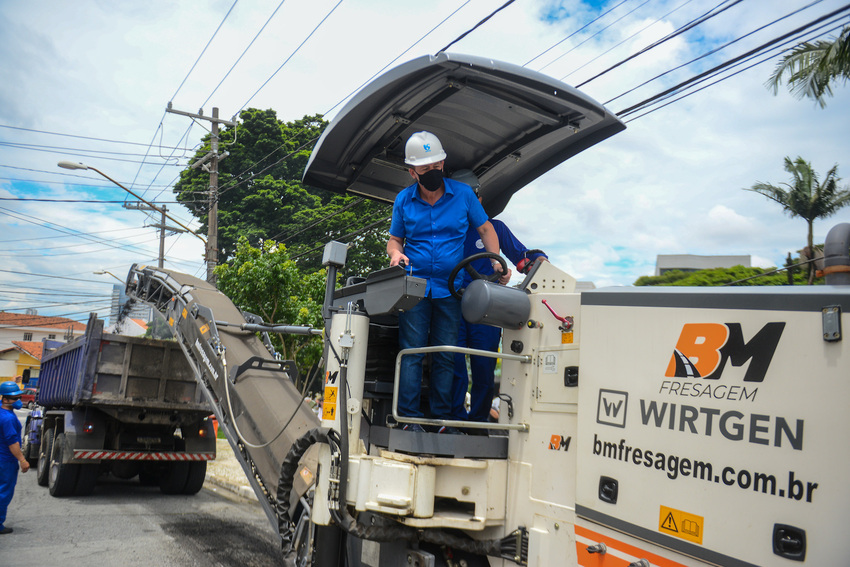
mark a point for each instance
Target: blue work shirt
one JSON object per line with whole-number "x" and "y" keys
{"x": 434, "y": 234}
{"x": 10, "y": 433}
{"x": 508, "y": 243}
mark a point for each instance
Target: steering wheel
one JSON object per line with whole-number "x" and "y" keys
{"x": 466, "y": 265}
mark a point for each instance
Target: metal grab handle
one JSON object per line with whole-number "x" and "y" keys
{"x": 454, "y": 422}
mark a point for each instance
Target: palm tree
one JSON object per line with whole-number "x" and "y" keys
{"x": 806, "y": 197}
{"x": 810, "y": 67}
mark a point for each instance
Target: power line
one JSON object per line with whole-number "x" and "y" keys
{"x": 60, "y": 173}
{"x": 51, "y": 276}
{"x": 714, "y": 70}
{"x": 689, "y": 26}
{"x": 64, "y": 236}
{"x": 342, "y": 238}
{"x": 317, "y": 221}
{"x": 75, "y": 154}
{"x": 204, "y": 50}
{"x": 63, "y": 229}
{"x": 637, "y": 33}
{"x": 42, "y": 147}
{"x": 479, "y": 24}
{"x": 97, "y": 201}
{"x": 80, "y": 137}
{"x": 791, "y": 44}
{"x": 63, "y": 293}
{"x": 397, "y": 57}
{"x": 713, "y": 51}
{"x": 630, "y": 12}
{"x": 291, "y": 55}
{"x": 226, "y": 188}
{"x": 597, "y": 18}
{"x": 244, "y": 51}
{"x": 57, "y": 304}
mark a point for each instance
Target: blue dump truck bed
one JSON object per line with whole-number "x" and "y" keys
{"x": 113, "y": 370}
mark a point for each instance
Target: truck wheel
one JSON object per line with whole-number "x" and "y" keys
{"x": 148, "y": 478}
{"x": 87, "y": 478}
{"x": 195, "y": 478}
{"x": 43, "y": 472}
{"x": 63, "y": 476}
{"x": 29, "y": 450}
{"x": 173, "y": 479}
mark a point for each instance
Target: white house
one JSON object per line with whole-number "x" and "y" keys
{"x": 34, "y": 328}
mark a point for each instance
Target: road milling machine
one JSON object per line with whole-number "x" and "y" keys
{"x": 638, "y": 427}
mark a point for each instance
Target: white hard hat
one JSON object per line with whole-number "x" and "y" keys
{"x": 423, "y": 148}
{"x": 468, "y": 177}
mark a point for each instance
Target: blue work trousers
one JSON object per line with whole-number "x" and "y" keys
{"x": 482, "y": 337}
{"x": 432, "y": 322}
{"x": 8, "y": 480}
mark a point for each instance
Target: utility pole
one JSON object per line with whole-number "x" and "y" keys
{"x": 161, "y": 226}
{"x": 213, "y": 158}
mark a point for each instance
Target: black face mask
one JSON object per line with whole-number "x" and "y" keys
{"x": 431, "y": 179}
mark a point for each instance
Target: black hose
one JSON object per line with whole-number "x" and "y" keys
{"x": 288, "y": 468}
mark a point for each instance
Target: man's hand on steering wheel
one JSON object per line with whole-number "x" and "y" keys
{"x": 502, "y": 273}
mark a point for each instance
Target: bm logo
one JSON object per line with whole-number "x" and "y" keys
{"x": 704, "y": 348}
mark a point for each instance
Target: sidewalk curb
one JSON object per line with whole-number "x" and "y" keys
{"x": 244, "y": 492}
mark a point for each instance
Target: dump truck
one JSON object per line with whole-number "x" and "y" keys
{"x": 126, "y": 406}
{"x": 638, "y": 427}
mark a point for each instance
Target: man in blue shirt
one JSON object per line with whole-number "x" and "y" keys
{"x": 10, "y": 448}
{"x": 430, "y": 221}
{"x": 482, "y": 337}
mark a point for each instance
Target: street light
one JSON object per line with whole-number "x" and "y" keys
{"x": 102, "y": 272}
{"x": 74, "y": 165}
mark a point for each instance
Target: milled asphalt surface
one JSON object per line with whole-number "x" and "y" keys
{"x": 225, "y": 474}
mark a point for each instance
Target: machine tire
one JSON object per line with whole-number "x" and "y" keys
{"x": 63, "y": 476}
{"x": 174, "y": 478}
{"x": 87, "y": 479}
{"x": 195, "y": 477}
{"x": 42, "y": 474}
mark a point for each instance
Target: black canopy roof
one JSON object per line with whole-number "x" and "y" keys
{"x": 508, "y": 124}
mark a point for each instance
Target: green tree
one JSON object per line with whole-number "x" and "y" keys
{"x": 158, "y": 328}
{"x": 806, "y": 196}
{"x": 740, "y": 275}
{"x": 266, "y": 282}
{"x": 261, "y": 196}
{"x": 811, "y": 68}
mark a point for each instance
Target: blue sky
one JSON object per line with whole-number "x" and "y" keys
{"x": 670, "y": 183}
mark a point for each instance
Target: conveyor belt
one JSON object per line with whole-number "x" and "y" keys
{"x": 251, "y": 391}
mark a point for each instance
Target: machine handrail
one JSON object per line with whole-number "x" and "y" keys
{"x": 453, "y": 422}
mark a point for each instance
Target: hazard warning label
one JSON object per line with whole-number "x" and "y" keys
{"x": 329, "y": 403}
{"x": 681, "y": 524}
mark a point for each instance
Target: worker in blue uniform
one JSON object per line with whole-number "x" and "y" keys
{"x": 429, "y": 223}
{"x": 482, "y": 337}
{"x": 11, "y": 456}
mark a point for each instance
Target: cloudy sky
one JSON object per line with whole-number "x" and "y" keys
{"x": 89, "y": 82}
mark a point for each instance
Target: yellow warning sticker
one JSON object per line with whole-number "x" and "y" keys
{"x": 329, "y": 403}
{"x": 567, "y": 338}
{"x": 204, "y": 329}
{"x": 184, "y": 313}
{"x": 681, "y": 524}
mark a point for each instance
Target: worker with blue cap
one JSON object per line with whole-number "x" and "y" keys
{"x": 10, "y": 448}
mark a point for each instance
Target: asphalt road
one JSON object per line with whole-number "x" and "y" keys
{"x": 124, "y": 523}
